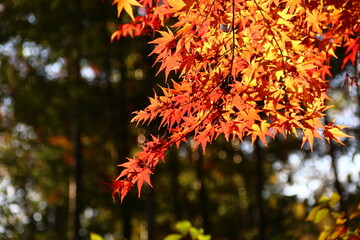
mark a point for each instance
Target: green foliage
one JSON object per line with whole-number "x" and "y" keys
{"x": 187, "y": 231}
{"x": 336, "y": 224}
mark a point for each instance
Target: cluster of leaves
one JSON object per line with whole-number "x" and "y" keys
{"x": 246, "y": 67}
{"x": 338, "y": 225}
{"x": 187, "y": 232}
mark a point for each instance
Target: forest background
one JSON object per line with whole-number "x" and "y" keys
{"x": 67, "y": 95}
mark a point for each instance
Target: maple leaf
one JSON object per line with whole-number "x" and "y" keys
{"x": 334, "y": 132}
{"x": 130, "y": 165}
{"x": 309, "y": 135}
{"x": 165, "y": 45}
{"x": 176, "y": 5}
{"x": 351, "y": 51}
{"x": 203, "y": 137}
{"x": 260, "y": 130}
{"x": 162, "y": 41}
{"x": 120, "y": 187}
{"x": 144, "y": 175}
{"x": 114, "y": 35}
{"x": 127, "y": 5}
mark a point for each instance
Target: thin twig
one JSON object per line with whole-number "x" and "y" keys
{"x": 273, "y": 35}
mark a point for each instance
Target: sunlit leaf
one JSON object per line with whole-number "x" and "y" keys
{"x": 127, "y": 5}
{"x": 341, "y": 221}
{"x": 321, "y": 214}
{"x": 313, "y": 212}
{"x": 323, "y": 235}
{"x": 183, "y": 227}
{"x": 323, "y": 198}
{"x": 354, "y": 215}
{"x": 334, "y": 199}
{"x": 95, "y": 236}
{"x": 173, "y": 237}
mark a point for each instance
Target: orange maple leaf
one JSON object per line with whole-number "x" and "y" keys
{"x": 176, "y": 5}
{"x": 120, "y": 187}
{"x": 334, "y": 132}
{"x": 309, "y": 135}
{"x": 351, "y": 51}
{"x": 144, "y": 175}
{"x": 127, "y": 5}
{"x": 165, "y": 38}
{"x": 260, "y": 130}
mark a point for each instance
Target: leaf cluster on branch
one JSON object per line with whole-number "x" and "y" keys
{"x": 339, "y": 224}
{"x": 252, "y": 68}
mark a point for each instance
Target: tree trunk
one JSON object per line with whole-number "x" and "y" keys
{"x": 75, "y": 176}
{"x": 75, "y": 168}
{"x": 150, "y": 212}
{"x": 74, "y": 77}
{"x": 259, "y": 188}
{"x": 173, "y": 166}
{"x": 202, "y": 191}
{"x": 120, "y": 124}
{"x": 337, "y": 185}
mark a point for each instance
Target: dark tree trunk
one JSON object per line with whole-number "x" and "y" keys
{"x": 150, "y": 210}
{"x": 121, "y": 123}
{"x": 75, "y": 179}
{"x": 74, "y": 77}
{"x": 337, "y": 185}
{"x": 202, "y": 191}
{"x": 173, "y": 166}
{"x": 259, "y": 157}
{"x": 75, "y": 169}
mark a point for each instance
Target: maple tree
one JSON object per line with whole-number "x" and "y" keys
{"x": 252, "y": 68}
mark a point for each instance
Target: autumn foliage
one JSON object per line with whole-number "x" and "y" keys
{"x": 253, "y": 68}
{"x": 343, "y": 225}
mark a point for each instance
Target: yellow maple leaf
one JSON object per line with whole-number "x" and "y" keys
{"x": 285, "y": 15}
{"x": 260, "y": 130}
{"x": 127, "y": 5}
{"x": 334, "y": 132}
{"x": 176, "y": 4}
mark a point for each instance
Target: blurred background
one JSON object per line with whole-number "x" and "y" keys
{"x": 66, "y": 98}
